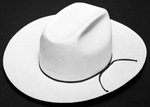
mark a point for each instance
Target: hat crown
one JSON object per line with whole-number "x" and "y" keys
{"x": 76, "y": 43}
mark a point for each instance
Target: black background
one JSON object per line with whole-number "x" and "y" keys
{"x": 14, "y": 14}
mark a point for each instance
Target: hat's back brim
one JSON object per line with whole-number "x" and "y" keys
{"x": 20, "y": 62}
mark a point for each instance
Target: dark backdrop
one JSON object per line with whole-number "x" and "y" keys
{"x": 14, "y": 14}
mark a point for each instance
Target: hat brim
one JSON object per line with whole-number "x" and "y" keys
{"x": 20, "y": 62}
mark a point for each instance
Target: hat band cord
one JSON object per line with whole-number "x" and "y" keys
{"x": 99, "y": 73}
{"x": 111, "y": 62}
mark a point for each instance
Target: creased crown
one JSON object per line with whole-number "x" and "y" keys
{"x": 76, "y": 43}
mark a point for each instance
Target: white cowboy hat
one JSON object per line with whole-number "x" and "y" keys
{"x": 96, "y": 56}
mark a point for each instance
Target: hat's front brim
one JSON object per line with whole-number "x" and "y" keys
{"x": 22, "y": 68}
